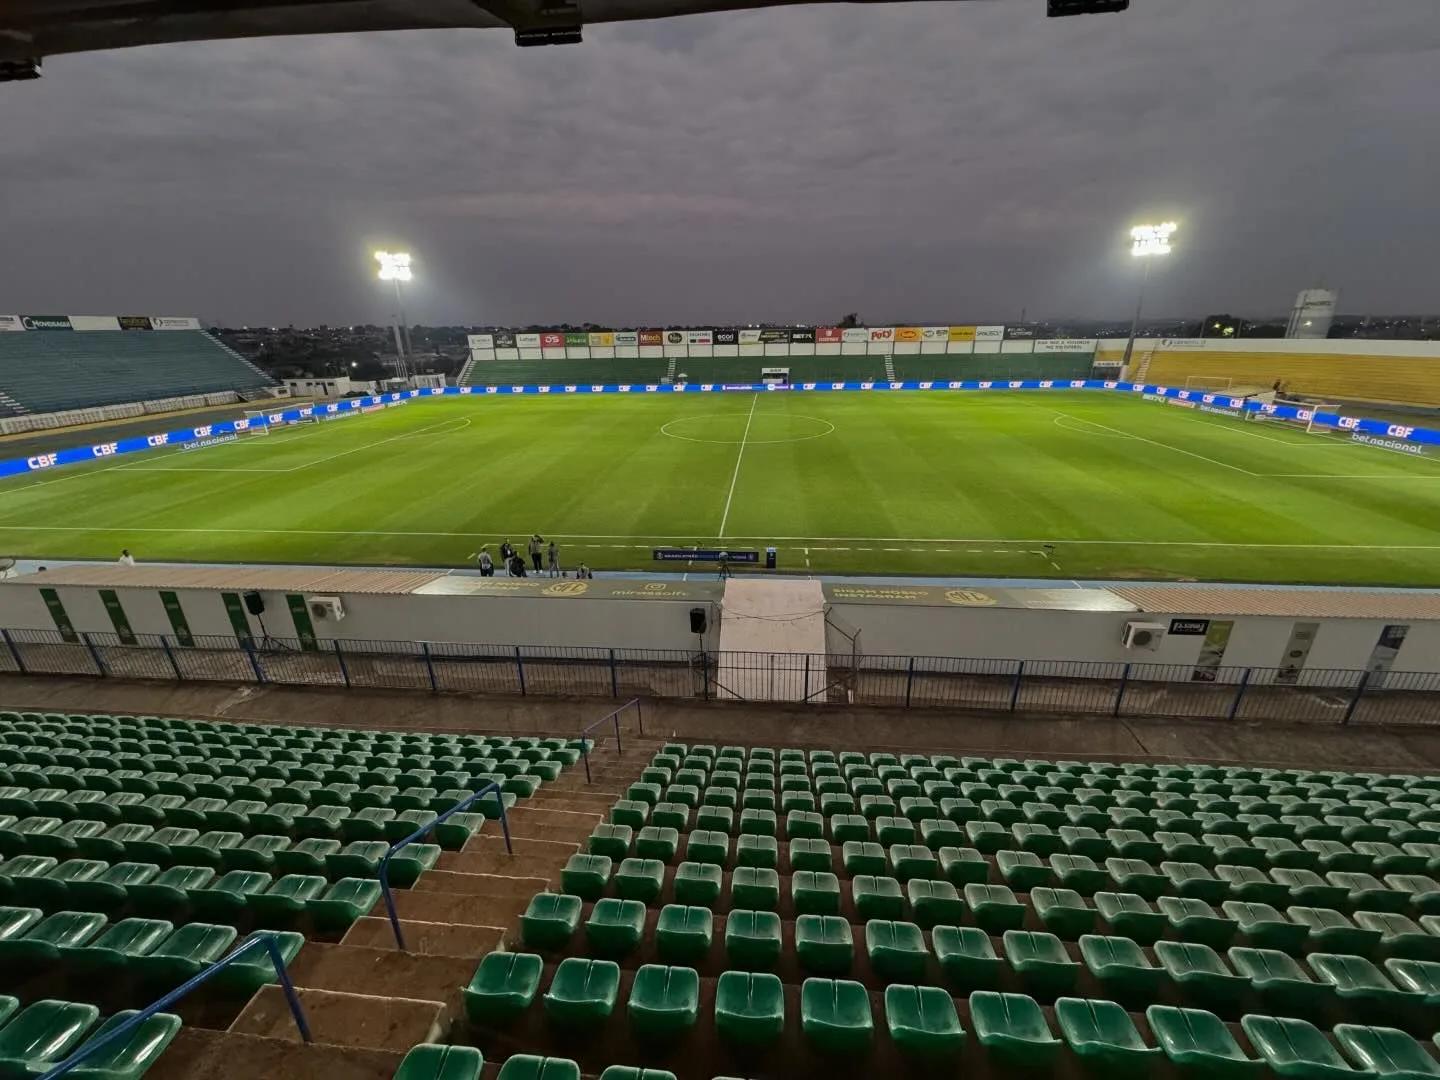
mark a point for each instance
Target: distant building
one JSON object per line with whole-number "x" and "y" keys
{"x": 1312, "y": 314}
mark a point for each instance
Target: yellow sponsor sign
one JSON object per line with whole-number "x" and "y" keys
{"x": 962, "y": 333}
{"x": 908, "y": 333}
{"x": 602, "y": 341}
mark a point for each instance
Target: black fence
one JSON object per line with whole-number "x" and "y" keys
{"x": 1078, "y": 688}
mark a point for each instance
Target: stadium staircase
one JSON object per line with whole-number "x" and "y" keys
{"x": 889, "y": 369}
{"x": 1144, "y": 368}
{"x": 463, "y": 379}
{"x": 670, "y": 369}
{"x": 705, "y": 911}
{"x": 9, "y": 406}
{"x": 54, "y": 372}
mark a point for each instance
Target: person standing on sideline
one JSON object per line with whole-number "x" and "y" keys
{"x": 507, "y": 552}
{"x": 537, "y": 548}
{"x": 487, "y": 565}
{"x": 554, "y": 560}
{"x": 126, "y": 559}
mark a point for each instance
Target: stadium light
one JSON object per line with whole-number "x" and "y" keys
{"x": 1146, "y": 242}
{"x": 395, "y": 268}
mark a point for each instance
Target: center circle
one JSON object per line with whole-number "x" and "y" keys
{"x": 730, "y": 428}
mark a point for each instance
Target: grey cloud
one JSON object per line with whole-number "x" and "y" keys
{"x": 910, "y": 161}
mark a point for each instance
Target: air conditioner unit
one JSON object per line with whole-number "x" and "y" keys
{"x": 325, "y": 607}
{"x": 1143, "y": 635}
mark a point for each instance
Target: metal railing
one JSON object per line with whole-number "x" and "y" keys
{"x": 633, "y": 703}
{"x": 268, "y": 940}
{"x": 424, "y": 831}
{"x": 1058, "y": 687}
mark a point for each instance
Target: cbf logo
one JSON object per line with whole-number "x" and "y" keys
{"x": 952, "y": 386}
{"x": 597, "y": 389}
{"x": 41, "y": 461}
{"x": 156, "y": 440}
{"x": 1046, "y": 384}
{"x": 104, "y": 449}
{"x": 242, "y": 425}
{"x": 986, "y": 385}
{"x": 331, "y": 408}
{"x": 837, "y": 386}
{"x": 1015, "y": 384}
{"x": 492, "y": 389}
{"x": 1111, "y": 385}
{"x": 202, "y": 432}
{"x": 926, "y": 385}
{"x": 1354, "y": 422}
{"x": 466, "y": 389}
{"x": 1394, "y": 430}
{"x": 624, "y": 388}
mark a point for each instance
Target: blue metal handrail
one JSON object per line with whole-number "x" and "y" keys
{"x": 268, "y": 940}
{"x": 615, "y": 716}
{"x": 424, "y": 831}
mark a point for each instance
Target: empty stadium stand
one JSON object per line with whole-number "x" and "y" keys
{"x": 1400, "y": 380}
{"x": 53, "y": 372}
{"x": 701, "y": 911}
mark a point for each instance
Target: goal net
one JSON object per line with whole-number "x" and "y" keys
{"x": 1306, "y": 417}
{"x": 253, "y": 428}
{"x": 1207, "y": 382}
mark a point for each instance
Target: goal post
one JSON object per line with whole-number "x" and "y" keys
{"x": 252, "y": 428}
{"x": 1306, "y": 418}
{"x": 1207, "y": 382}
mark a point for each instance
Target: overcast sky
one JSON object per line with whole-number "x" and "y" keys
{"x": 912, "y": 162}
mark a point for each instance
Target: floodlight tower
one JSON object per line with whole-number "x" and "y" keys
{"x": 1146, "y": 242}
{"x": 395, "y": 267}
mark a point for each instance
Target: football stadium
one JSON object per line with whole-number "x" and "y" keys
{"x": 675, "y": 702}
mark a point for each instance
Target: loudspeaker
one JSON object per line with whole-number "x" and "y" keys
{"x": 697, "y": 620}
{"x": 254, "y": 603}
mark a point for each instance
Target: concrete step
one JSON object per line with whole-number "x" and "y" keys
{"x": 465, "y": 884}
{"x": 202, "y": 1054}
{"x": 565, "y": 826}
{"x": 427, "y": 938}
{"x": 354, "y": 968}
{"x": 567, "y": 800}
{"x": 489, "y": 861}
{"x": 343, "y": 1019}
{"x": 500, "y": 907}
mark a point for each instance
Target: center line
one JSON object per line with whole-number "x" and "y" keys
{"x": 736, "y": 474}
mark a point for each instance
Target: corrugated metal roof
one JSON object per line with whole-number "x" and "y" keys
{"x": 1285, "y": 603}
{"x": 309, "y": 579}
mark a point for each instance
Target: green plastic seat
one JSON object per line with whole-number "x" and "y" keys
{"x": 51, "y": 889}
{"x": 1013, "y": 1029}
{"x": 1198, "y": 971}
{"x": 670, "y": 815}
{"x": 683, "y": 934}
{"x": 1198, "y": 1042}
{"x": 16, "y": 921}
{"x": 911, "y": 862}
{"x": 811, "y": 855}
{"x": 863, "y": 858}
{"x": 938, "y": 832}
{"x": 1251, "y": 884}
{"x": 923, "y": 1022}
{"x": 640, "y": 879}
{"x": 308, "y": 856}
{"x": 1295, "y": 1048}
{"x": 994, "y": 907}
{"x": 1137, "y": 876}
{"x": 1309, "y": 889}
{"x": 845, "y": 827}
{"x": 168, "y": 893}
{"x": 343, "y": 902}
{"x": 804, "y": 825}
{"x": 586, "y": 876}
{"x": 967, "y": 957}
{"x": 43, "y": 1034}
{"x": 699, "y": 884}
{"x": 1103, "y": 1036}
{"x": 749, "y": 1008}
{"x": 286, "y": 899}
{"x": 934, "y": 903}
{"x": 707, "y": 846}
{"x": 611, "y": 840}
{"x": 963, "y": 866}
{"x": 1280, "y": 982}
{"x": 230, "y": 895}
{"x": 753, "y": 939}
{"x": 1121, "y": 967}
{"x": 754, "y": 888}
{"x": 1192, "y": 880}
{"x": 583, "y": 992}
{"x": 1327, "y": 930}
{"x": 44, "y": 942}
{"x": 1078, "y": 872}
{"x": 1064, "y": 912}
{"x": 1386, "y": 1052}
{"x": 630, "y": 812}
{"x": 835, "y": 1015}
{"x": 664, "y": 1001}
{"x": 1130, "y": 915}
{"x": 1266, "y": 927}
{"x": 549, "y": 920}
{"x": 1041, "y": 962}
{"x": 877, "y": 897}
{"x": 1358, "y": 981}
{"x": 815, "y": 893}
{"x": 120, "y": 943}
{"x": 824, "y": 944}
{"x": 1400, "y": 936}
{"x": 438, "y": 1061}
{"x": 1416, "y": 977}
{"x": 1196, "y": 921}
{"x": 615, "y": 927}
{"x": 753, "y": 849}
{"x": 896, "y": 950}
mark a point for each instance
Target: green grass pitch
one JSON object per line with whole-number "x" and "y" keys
{"x": 915, "y": 483}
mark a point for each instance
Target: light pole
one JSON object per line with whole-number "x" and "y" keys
{"x": 1146, "y": 242}
{"x": 395, "y": 267}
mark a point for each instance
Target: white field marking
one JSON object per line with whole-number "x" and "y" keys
{"x": 815, "y": 541}
{"x": 829, "y": 430}
{"x": 1111, "y": 434}
{"x": 1348, "y": 476}
{"x": 1152, "y": 442}
{"x": 736, "y": 474}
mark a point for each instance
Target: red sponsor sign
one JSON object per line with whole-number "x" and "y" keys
{"x": 829, "y": 333}
{"x": 882, "y": 333}
{"x": 650, "y": 337}
{"x": 552, "y": 341}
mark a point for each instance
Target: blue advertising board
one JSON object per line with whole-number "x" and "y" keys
{"x": 716, "y": 555}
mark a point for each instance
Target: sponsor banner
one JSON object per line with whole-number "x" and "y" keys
{"x": 1388, "y": 444}
{"x": 480, "y": 341}
{"x": 1182, "y": 343}
{"x": 935, "y": 333}
{"x": 805, "y": 335}
{"x": 1117, "y": 363}
{"x": 94, "y": 322}
{"x": 1189, "y": 627}
{"x": 575, "y": 340}
{"x": 651, "y": 337}
{"x": 239, "y": 621}
{"x": 135, "y": 322}
{"x": 881, "y": 333}
{"x": 1065, "y": 345}
{"x": 176, "y": 614}
{"x": 855, "y": 334}
{"x": 11, "y": 322}
{"x": 172, "y": 322}
{"x": 1297, "y": 652}
{"x": 1019, "y": 333}
{"x": 989, "y": 333}
{"x": 749, "y": 337}
{"x": 304, "y": 628}
{"x": 118, "y": 619}
{"x": 719, "y": 555}
{"x": 699, "y": 337}
{"x": 1182, "y": 404}
{"x": 504, "y": 339}
{"x": 626, "y": 337}
{"x": 734, "y": 386}
{"x": 909, "y": 333}
{"x": 527, "y": 341}
{"x": 1219, "y": 410}
{"x": 604, "y": 339}
{"x": 1212, "y": 650}
{"x": 961, "y": 333}
{"x": 552, "y": 341}
{"x": 1382, "y": 658}
{"x": 60, "y": 616}
{"x": 829, "y": 334}
{"x": 774, "y": 337}
{"x": 46, "y": 322}
{"x": 674, "y": 337}
{"x": 727, "y": 337}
